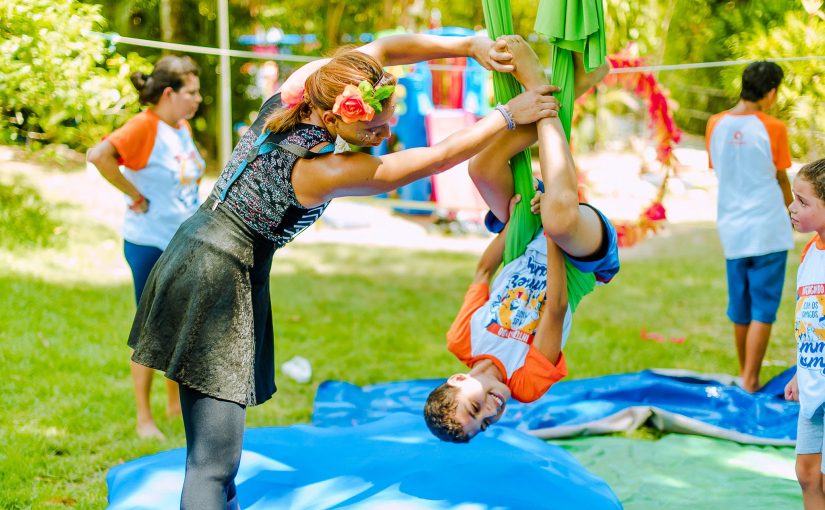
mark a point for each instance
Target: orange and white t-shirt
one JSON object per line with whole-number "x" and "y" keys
{"x": 165, "y": 166}
{"x": 746, "y": 151}
{"x": 499, "y": 324}
{"x": 809, "y": 327}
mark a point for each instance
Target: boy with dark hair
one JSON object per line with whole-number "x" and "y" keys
{"x": 511, "y": 329}
{"x": 749, "y": 151}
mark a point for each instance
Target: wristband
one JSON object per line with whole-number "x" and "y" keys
{"x": 503, "y": 109}
{"x": 139, "y": 200}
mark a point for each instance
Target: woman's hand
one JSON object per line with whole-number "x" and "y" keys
{"x": 534, "y": 104}
{"x": 140, "y": 205}
{"x": 492, "y": 56}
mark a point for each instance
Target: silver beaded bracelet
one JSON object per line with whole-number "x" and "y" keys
{"x": 510, "y": 124}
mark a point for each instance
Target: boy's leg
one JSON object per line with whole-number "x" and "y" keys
{"x": 809, "y": 475}
{"x": 756, "y": 343}
{"x": 490, "y": 169}
{"x": 766, "y": 276}
{"x": 740, "y": 336}
{"x": 739, "y": 306}
{"x": 575, "y": 228}
{"x": 809, "y": 445}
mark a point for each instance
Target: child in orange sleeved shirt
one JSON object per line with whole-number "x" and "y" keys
{"x": 510, "y": 330}
{"x": 808, "y": 385}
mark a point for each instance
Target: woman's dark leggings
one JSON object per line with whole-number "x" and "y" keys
{"x": 214, "y": 437}
{"x": 141, "y": 260}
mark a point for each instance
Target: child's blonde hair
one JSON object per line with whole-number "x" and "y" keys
{"x": 815, "y": 174}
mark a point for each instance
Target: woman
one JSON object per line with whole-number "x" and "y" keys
{"x": 205, "y": 317}
{"x": 162, "y": 169}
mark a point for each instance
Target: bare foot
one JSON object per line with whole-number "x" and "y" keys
{"x": 528, "y": 68}
{"x": 584, "y": 80}
{"x": 149, "y": 431}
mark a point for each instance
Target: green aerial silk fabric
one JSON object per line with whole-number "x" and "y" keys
{"x": 572, "y": 25}
{"x": 578, "y": 285}
{"x": 524, "y": 224}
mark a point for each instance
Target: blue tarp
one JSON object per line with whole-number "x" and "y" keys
{"x": 391, "y": 463}
{"x": 676, "y": 401}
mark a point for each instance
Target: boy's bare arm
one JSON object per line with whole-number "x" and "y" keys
{"x": 491, "y": 259}
{"x": 785, "y": 186}
{"x": 549, "y": 331}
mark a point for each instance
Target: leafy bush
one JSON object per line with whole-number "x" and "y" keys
{"x": 802, "y": 94}
{"x": 25, "y": 220}
{"x": 60, "y": 84}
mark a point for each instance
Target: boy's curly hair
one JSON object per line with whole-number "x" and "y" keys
{"x": 439, "y": 413}
{"x": 815, "y": 174}
{"x": 759, "y": 78}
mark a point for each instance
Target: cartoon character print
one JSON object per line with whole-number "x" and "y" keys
{"x": 518, "y": 307}
{"x": 190, "y": 173}
{"x": 809, "y": 331}
{"x": 518, "y": 310}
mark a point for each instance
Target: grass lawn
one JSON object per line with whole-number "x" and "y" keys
{"x": 362, "y": 315}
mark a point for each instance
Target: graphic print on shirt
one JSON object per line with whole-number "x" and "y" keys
{"x": 810, "y": 327}
{"x": 515, "y": 313}
{"x": 190, "y": 172}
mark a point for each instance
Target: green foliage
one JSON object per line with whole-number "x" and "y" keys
{"x": 639, "y": 23}
{"x": 802, "y": 94}
{"x": 26, "y": 220}
{"x": 59, "y": 84}
{"x": 686, "y": 31}
{"x": 720, "y": 26}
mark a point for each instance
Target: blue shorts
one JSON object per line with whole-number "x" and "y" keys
{"x": 809, "y": 435}
{"x": 603, "y": 263}
{"x": 141, "y": 260}
{"x": 755, "y": 287}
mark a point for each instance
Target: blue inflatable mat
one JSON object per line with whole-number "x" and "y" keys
{"x": 671, "y": 400}
{"x": 391, "y": 463}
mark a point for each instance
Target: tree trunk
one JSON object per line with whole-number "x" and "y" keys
{"x": 171, "y": 28}
{"x": 335, "y": 11}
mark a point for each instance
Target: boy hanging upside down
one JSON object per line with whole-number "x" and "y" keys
{"x": 511, "y": 332}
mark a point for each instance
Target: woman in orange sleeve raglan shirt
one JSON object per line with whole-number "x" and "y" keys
{"x": 153, "y": 161}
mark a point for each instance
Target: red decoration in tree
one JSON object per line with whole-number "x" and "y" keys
{"x": 665, "y": 132}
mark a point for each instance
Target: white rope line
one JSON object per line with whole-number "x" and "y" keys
{"x": 702, "y": 65}
{"x": 188, "y": 48}
{"x": 116, "y": 39}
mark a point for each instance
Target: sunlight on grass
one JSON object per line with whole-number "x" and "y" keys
{"x": 360, "y": 315}
{"x": 32, "y": 429}
{"x": 764, "y": 464}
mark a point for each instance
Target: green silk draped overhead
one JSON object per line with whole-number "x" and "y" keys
{"x": 570, "y": 25}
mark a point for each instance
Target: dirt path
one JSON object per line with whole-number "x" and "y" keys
{"x": 614, "y": 186}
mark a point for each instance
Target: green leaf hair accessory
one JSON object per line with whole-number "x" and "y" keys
{"x": 374, "y": 96}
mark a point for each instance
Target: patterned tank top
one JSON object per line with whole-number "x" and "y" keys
{"x": 262, "y": 196}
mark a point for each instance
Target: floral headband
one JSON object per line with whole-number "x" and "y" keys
{"x": 361, "y": 102}
{"x": 352, "y": 105}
